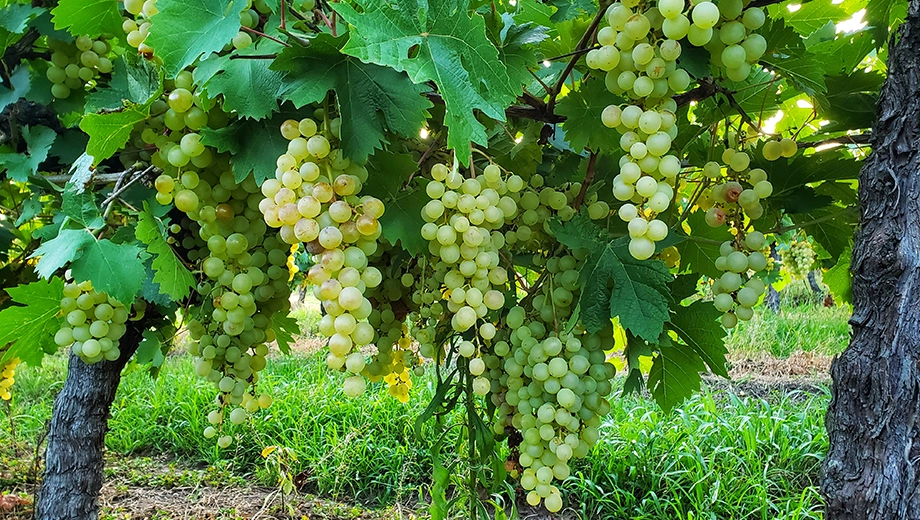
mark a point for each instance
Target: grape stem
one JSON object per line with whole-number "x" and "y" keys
{"x": 585, "y": 41}
{"x": 857, "y": 139}
{"x": 119, "y": 190}
{"x": 589, "y": 178}
{"x": 328, "y": 23}
{"x": 262, "y": 34}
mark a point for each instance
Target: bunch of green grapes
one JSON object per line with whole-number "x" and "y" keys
{"x": 726, "y": 30}
{"x": 137, "y": 25}
{"x": 639, "y": 52}
{"x": 739, "y": 288}
{"x": 315, "y": 198}
{"x": 798, "y": 258}
{"x": 773, "y": 150}
{"x": 738, "y": 190}
{"x": 93, "y": 323}
{"x": 556, "y": 389}
{"x": 244, "y": 267}
{"x": 77, "y": 65}
{"x": 7, "y": 378}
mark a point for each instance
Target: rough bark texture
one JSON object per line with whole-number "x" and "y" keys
{"x": 871, "y": 469}
{"x": 73, "y": 459}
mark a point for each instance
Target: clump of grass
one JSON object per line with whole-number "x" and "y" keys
{"x": 717, "y": 456}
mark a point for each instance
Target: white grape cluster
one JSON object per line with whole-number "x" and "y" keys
{"x": 738, "y": 190}
{"x": 798, "y": 258}
{"x": 314, "y": 198}
{"x": 739, "y": 288}
{"x": 7, "y": 378}
{"x": 556, "y": 388}
{"x": 773, "y": 150}
{"x": 726, "y": 30}
{"x": 639, "y": 52}
{"x": 93, "y": 323}
{"x": 463, "y": 226}
{"x": 245, "y": 285}
{"x": 77, "y": 66}
{"x": 137, "y": 26}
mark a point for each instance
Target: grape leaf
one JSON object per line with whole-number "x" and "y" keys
{"x": 850, "y": 100}
{"x": 248, "y": 86}
{"x": 237, "y": 138}
{"x": 30, "y": 327}
{"x": 403, "y": 217}
{"x": 114, "y": 268}
{"x": 788, "y": 175}
{"x": 182, "y": 30}
{"x": 675, "y": 374}
{"x": 583, "y": 126}
{"x": 878, "y": 18}
{"x": 169, "y": 272}
{"x": 813, "y": 15}
{"x": 697, "y": 325}
{"x": 371, "y": 98}
{"x": 285, "y": 328}
{"x": 136, "y": 82}
{"x": 150, "y": 349}
{"x": 699, "y": 250}
{"x": 452, "y": 51}
{"x": 80, "y": 206}
{"x": 517, "y": 47}
{"x": 109, "y": 131}
{"x": 20, "y": 166}
{"x": 805, "y": 70}
{"x": 568, "y": 9}
{"x": 15, "y": 17}
{"x": 87, "y": 17}
{"x": 81, "y": 172}
{"x": 57, "y": 252}
{"x": 639, "y": 292}
{"x": 839, "y": 279}
{"x": 21, "y": 83}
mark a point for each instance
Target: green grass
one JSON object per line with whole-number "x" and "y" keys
{"x": 718, "y": 456}
{"x": 802, "y": 324}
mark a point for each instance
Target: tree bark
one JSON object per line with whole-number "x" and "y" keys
{"x": 873, "y": 423}
{"x": 73, "y": 458}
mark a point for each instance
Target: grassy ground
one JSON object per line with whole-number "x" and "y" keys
{"x": 717, "y": 456}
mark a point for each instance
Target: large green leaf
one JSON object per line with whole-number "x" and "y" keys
{"x": 109, "y": 131}
{"x": 675, "y": 374}
{"x": 839, "y": 279}
{"x": 698, "y": 327}
{"x": 238, "y": 138}
{"x": 87, "y": 17}
{"x": 20, "y": 166}
{"x": 62, "y": 249}
{"x": 169, "y": 272}
{"x": 583, "y": 126}
{"x": 15, "y": 17}
{"x": 20, "y": 83}
{"x": 403, "y": 217}
{"x": 878, "y": 17}
{"x": 183, "y": 31}
{"x": 805, "y": 71}
{"x": 31, "y": 325}
{"x": 849, "y": 102}
{"x": 371, "y": 98}
{"x": 134, "y": 81}
{"x": 113, "y": 268}
{"x": 247, "y": 85}
{"x": 614, "y": 284}
{"x": 436, "y": 40}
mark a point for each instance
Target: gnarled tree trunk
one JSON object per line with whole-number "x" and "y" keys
{"x": 73, "y": 458}
{"x": 873, "y": 464}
